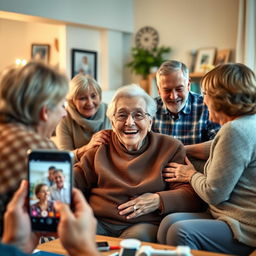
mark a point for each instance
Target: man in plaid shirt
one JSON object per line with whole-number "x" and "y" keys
{"x": 180, "y": 112}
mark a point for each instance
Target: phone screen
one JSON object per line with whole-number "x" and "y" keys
{"x": 50, "y": 179}
{"x": 128, "y": 252}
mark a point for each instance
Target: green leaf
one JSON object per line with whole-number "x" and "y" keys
{"x": 143, "y": 60}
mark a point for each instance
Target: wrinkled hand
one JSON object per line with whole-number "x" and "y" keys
{"x": 175, "y": 172}
{"x": 99, "y": 138}
{"x": 140, "y": 205}
{"x": 17, "y": 226}
{"x": 77, "y": 230}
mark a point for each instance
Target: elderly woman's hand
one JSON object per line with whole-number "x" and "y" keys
{"x": 175, "y": 172}
{"x": 140, "y": 205}
{"x": 101, "y": 137}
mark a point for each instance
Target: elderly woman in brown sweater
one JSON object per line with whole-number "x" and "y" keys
{"x": 123, "y": 179}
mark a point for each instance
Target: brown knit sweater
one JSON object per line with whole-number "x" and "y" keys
{"x": 114, "y": 175}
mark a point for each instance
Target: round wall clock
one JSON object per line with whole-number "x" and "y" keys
{"x": 147, "y": 38}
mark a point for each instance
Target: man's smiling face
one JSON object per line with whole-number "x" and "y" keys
{"x": 173, "y": 89}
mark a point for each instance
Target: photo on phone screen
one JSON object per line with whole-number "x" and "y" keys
{"x": 50, "y": 179}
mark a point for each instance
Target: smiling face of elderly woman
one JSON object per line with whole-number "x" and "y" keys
{"x": 131, "y": 122}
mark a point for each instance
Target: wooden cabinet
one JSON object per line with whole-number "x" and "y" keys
{"x": 196, "y": 75}
{"x": 152, "y": 89}
{"x": 195, "y": 81}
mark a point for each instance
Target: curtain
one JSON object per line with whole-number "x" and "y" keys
{"x": 246, "y": 35}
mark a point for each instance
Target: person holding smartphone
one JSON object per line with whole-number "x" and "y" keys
{"x": 31, "y": 105}
{"x": 76, "y": 229}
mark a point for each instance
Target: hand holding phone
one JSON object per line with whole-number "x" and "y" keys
{"x": 76, "y": 230}
{"x": 50, "y": 179}
{"x": 17, "y": 229}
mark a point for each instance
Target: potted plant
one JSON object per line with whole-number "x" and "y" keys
{"x": 143, "y": 59}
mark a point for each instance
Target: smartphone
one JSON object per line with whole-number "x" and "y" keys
{"x": 50, "y": 179}
{"x": 102, "y": 246}
{"x": 129, "y": 247}
{"x": 128, "y": 252}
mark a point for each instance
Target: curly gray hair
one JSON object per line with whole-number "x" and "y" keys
{"x": 130, "y": 91}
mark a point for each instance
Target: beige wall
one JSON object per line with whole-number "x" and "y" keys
{"x": 183, "y": 25}
{"x": 16, "y": 38}
{"x": 108, "y": 14}
{"x": 190, "y": 24}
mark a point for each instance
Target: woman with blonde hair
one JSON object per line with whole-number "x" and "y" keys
{"x": 228, "y": 182}
{"x": 86, "y": 117}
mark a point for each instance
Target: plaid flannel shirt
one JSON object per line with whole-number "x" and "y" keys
{"x": 192, "y": 125}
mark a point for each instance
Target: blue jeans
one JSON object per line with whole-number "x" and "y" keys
{"x": 143, "y": 231}
{"x": 200, "y": 231}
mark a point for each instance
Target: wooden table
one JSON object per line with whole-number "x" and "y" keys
{"x": 55, "y": 247}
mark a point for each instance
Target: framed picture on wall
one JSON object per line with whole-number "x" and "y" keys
{"x": 205, "y": 57}
{"x": 85, "y": 62}
{"x": 40, "y": 52}
{"x": 222, "y": 56}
